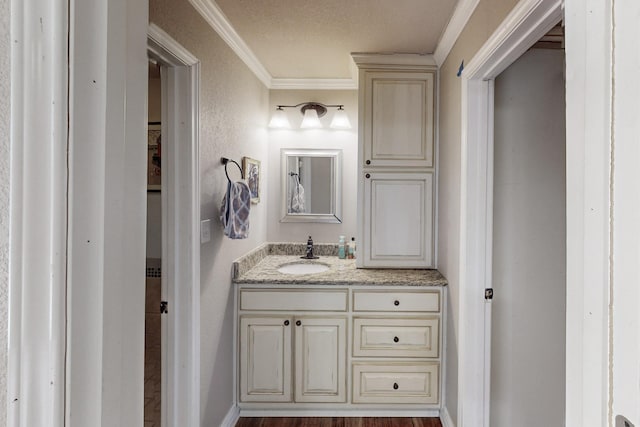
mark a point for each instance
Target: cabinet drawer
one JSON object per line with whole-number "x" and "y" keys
{"x": 293, "y": 300}
{"x": 384, "y": 337}
{"x": 396, "y": 383}
{"x": 396, "y": 301}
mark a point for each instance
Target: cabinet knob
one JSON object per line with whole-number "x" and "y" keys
{"x": 367, "y": 175}
{"x": 395, "y": 386}
{"x": 396, "y": 339}
{"x": 286, "y": 323}
{"x": 368, "y": 162}
{"x": 396, "y": 302}
{"x": 298, "y": 323}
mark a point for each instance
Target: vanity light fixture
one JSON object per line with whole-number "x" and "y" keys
{"x": 279, "y": 120}
{"x": 312, "y": 111}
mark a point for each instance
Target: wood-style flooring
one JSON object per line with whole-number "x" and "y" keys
{"x": 338, "y": 422}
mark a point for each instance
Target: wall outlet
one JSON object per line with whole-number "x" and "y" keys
{"x": 205, "y": 231}
{"x": 623, "y": 422}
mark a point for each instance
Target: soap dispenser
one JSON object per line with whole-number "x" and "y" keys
{"x": 342, "y": 253}
{"x": 351, "y": 252}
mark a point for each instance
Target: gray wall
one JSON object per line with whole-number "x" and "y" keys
{"x": 529, "y": 243}
{"x": 295, "y": 138}
{"x": 5, "y": 67}
{"x": 233, "y": 121}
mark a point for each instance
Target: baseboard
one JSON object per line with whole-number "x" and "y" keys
{"x": 310, "y": 412}
{"x": 445, "y": 418}
{"x": 232, "y": 417}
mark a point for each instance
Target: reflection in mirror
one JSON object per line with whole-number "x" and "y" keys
{"x": 311, "y": 185}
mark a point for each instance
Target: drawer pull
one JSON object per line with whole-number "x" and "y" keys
{"x": 298, "y": 323}
{"x": 395, "y": 386}
{"x": 286, "y": 323}
{"x": 396, "y": 303}
{"x": 396, "y": 339}
{"x": 367, "y": 176}
{"x": 368, "y": 162}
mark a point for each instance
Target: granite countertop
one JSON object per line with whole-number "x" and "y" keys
{"x": 261, "y": 267}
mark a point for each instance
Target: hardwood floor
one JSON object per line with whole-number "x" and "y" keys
{"x": 338, "y": 422}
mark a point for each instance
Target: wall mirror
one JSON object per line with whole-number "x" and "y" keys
{"x": 311, "y": 185}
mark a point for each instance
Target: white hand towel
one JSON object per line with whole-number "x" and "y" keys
{"x": 296, "y": 198}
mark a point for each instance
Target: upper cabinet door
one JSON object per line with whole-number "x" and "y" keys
{"x": 398, "y": 118}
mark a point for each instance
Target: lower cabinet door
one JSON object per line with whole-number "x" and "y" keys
{"x": 320, "y": 359}
{"x": 396, "y": 383}
{"x": 265, "y": 359}
{"x": 398, "y": 220}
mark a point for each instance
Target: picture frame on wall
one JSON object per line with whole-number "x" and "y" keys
{"x": 251, "y": 169}
{"x": 154, "y": 157}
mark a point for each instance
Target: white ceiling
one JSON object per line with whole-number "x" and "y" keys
{"x": 311, "y": 39}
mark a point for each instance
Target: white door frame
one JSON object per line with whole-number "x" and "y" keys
{"x": 38, "y": 213}
{"x": 526, "y": 23}
{"x": 591, "y": 123}
{"x": 77, "y": 239}
{"x": 180, "y": 229}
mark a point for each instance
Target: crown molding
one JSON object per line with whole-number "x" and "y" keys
{"x": 212, "y": 13}
{"x": 461, "y": 15}
{"x": 315, "y": 84}
{"x": 393, "y": 59}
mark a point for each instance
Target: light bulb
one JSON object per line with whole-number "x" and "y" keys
{"x": 310, "y": 120}
{"x": 279, "y": 120}
{"x": 340, "y": 120}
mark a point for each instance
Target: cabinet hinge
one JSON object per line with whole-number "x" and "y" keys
{"x": 488, "y": 294}
{"x": 164, "y": 307}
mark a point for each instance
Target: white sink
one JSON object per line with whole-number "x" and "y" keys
{"x": 303, "y": 268}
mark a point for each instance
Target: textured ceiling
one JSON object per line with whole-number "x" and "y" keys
{"x": 314, "y": 38}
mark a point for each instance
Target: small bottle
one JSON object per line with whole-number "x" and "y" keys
{"x": 351, "y": 253}
{"x": 341, "y": 249}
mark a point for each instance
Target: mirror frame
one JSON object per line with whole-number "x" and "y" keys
{"x": 336, "y": 188}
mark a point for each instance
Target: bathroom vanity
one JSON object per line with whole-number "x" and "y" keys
{"x": 345, "y": 340}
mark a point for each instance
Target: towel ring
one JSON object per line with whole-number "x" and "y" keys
{"x": 225, "y": 162}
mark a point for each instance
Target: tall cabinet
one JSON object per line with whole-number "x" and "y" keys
{"x": 396, "y": 161}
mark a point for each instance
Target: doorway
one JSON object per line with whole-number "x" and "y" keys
{"x": 524, "y": 25}
{"x": 529, "y": 241}
{"x": 153, "y": 282}
{"x": 180, "y": 229}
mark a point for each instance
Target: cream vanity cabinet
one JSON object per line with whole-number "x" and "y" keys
{"x": 326, "y": 347}
{"x": 396, "y": 346}
{"x": 396, "y": 161}
{"x": 290, "y": 348}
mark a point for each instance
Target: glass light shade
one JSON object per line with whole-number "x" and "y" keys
{"x": 310, "y": 120}
{"x": 279, "y": 120}
{"x": 340, "y": 120}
